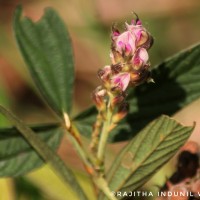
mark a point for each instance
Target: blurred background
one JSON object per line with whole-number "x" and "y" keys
{"x": 174, "y": 26}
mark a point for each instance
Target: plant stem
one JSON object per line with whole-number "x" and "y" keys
{"x": 83, "y": 155}
{"x": 95, "y": 134}
{"x": 104, "y": 134}
{"x": 46, "y": 153}
{"x": 103, "y": 186}
{"x": 89, "y": 161}
{"x": 75, "y": 138}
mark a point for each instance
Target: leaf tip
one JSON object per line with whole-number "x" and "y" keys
{"x": 18, "y": 11}
{"x": 178, "y": 122}
{"x": 49, "y": 12}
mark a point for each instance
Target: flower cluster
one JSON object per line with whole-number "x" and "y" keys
{"x": 129, "y": 63}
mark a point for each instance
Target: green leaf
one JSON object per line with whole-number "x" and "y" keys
{"x": 17, "y": 157}
{"x": 46, "y": 153}
{"x": 146, "y": 153}
{"x": 177, "y": 83}
{"x": 46, "y": 48}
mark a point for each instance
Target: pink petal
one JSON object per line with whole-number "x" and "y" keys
{"x": 125, "y": 80}
{"x": 131, "y": 42}
{"x": 136, "y": 61}
{"x": 121, "y": 44}
{"x": 139, "y": 35}
{"x": 143, "y": 55}
{"x": 139, "y": 22}
{"x": 128, "y": 48}
{"x": 121, "y": 80}
{"x": 116, "y": 33}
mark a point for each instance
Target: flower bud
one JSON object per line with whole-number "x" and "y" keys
{"x": 115, "y": 32}
{"x": 118, "y": 99}
{"x": 104, "y": 73}
{"x": 125, "y": 43}
{"x": 120, "y": 81}
{"x": 141, "y": 76}
{"x": 141, "y": 35}
{"x": 142, "y": 38}
{"x": 122, "y": 112}
{"x": 98, "y": 98}
{"x": 116, "y": 68}
{"x": 149, "y": 42}
{"x": 116, "y": 57}
{"x": 140, "y": 59}
{"x": 135, "y": 40}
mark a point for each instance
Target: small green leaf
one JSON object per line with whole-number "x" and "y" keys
{"x": 146, "y": 153}
{"x": 177, "y": 83}
{"x": 46, "y": 48}
{"x": 17, "y": 157}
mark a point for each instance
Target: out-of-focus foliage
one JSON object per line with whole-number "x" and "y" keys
{"x": 17, "y": 157}
{"x": 4, "y": 100}
{"x": 26, "y": 189}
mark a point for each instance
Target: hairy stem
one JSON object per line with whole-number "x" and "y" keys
{"x": 103, "y": 186}
{"x": 88, "y": 161}
{"x": 76, "y": 140}
{"x": 104, "y": 135}
{"x": 95, "y": 134}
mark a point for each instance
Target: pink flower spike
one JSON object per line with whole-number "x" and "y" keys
{"x": 121, "y": 81}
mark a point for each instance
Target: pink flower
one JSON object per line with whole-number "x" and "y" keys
{"x": 125, "y": 42}
{"x": 105, "y": 73}
{"x": 121, "y": 81}
{"x": 141, "y": 57}
{"x": 128, "y": 41}
{"x": 141, "y": 34}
